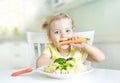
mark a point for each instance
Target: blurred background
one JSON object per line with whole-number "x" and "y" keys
{"x": 20, "y": 16}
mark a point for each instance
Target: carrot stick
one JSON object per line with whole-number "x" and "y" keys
{"x": 79, "y": 40}
{"x": 21, "y": 72}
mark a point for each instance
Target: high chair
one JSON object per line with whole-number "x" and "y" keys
{"x": 37, "y": 42}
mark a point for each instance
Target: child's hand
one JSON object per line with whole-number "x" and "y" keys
{"x": 79, "y": 45}
{"x": 73, "y": 38}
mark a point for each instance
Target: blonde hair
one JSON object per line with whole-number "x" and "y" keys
{"x": 46, "y": 25}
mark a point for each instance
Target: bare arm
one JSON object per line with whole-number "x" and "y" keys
{"x": 94, "y": 54}
{"x": 43, "y": 60}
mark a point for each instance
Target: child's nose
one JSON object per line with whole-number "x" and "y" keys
{"x": 63, "y": 34}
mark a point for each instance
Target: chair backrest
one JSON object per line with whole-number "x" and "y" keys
{"x": 37, "y": 42}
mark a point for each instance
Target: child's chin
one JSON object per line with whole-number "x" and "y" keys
{"x": 64, "y": 46}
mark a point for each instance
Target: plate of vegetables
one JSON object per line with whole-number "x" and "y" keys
{"x": 64, "y": 68}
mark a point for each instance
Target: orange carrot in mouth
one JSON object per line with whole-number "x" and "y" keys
{"x": 79, "y": 40}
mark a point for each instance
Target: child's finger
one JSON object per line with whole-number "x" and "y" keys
{"x": 77, "y": 45}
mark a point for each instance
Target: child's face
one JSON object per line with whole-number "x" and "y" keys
{"x": 61, "y": 30}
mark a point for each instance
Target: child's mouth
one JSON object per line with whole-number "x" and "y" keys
{"x": 63, "y": 41}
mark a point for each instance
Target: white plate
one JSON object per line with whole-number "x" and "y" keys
{"x": 62, "y": 76}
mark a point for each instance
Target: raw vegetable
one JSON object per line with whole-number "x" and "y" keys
{"x": 21, "y": 72}
{"x": 79, "y": 40}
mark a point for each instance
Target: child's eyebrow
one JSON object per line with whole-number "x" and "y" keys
{"x": 69, "y": 28}
{"x": 56, "y": 30}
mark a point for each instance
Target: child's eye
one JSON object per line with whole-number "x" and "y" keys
{"x": 67, "y": 30}
{"x": 57, "y": 32}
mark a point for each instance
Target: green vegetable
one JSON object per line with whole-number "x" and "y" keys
{"x": 61, "y": 67}
{"x": 69, "y": 66}
{"x": 60, "y": 60}
{"x": 64, "y": 67}
{"x": 71, "y": 58}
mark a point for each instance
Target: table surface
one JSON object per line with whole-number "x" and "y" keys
{"x": 95, "y": 76}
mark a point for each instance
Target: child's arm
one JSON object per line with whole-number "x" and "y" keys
{"x": 43, "y": 60}
{"x": 94, "y": 54}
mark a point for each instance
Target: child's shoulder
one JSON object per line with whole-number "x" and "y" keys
{"x": 50, "y": 46}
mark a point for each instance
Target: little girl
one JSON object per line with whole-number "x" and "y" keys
{"x": 61, "y": 28}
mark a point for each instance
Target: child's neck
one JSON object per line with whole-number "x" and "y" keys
{"x": 64, "y": 52}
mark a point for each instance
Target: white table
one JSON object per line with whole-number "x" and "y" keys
{"x": 96, "y": 76}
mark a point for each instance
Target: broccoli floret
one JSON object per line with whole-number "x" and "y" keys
{"x": 60, "y": 60}
{"x": 71, "y": 58}
{"x": 64, "y": 67}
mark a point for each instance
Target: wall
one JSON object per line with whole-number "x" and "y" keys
{"x": 101, "y": 15}
{"x": 112, "y": 54}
